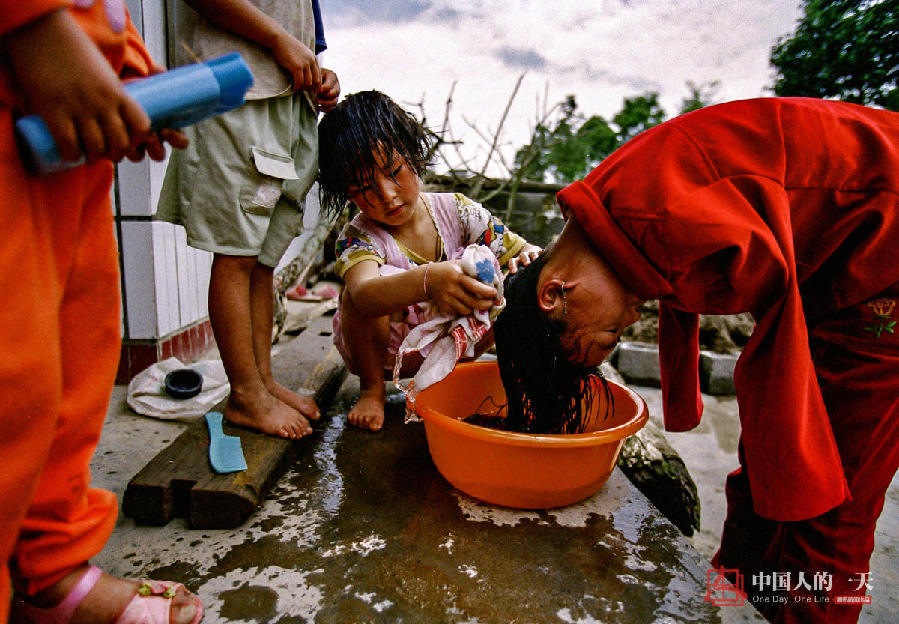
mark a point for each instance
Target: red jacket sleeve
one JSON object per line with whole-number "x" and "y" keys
{"x": 724, "y": 256}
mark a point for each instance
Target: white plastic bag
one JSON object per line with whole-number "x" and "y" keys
{"x": 147, "y": 395}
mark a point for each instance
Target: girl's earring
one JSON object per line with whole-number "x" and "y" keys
{"x": 564, "y": 301}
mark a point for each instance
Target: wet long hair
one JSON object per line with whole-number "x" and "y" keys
{"x": 545, "y": 392}
{"x": 362, "y": 125}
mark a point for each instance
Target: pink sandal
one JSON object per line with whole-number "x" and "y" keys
{"x": 150, "y": 605}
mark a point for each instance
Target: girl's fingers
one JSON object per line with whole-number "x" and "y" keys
{"x": 135, "y": 118}
{"x": 470, "y": 304}
{"x": 152, "y": 144}
{"x": 155, "y": 148}
{"x": 316, "y": 78}
{"x": 483, "y": 291}
{"x": 309, "y": 78}
{"x": 116, "y": 134}
{"x": 135, "y": 153}
{"x": 91, "y": 137}
{"x": 175, "y": 138}
{"x": 63, "y": 130}
{"x": 524, "y": 258}
{"x": 462, "y": 309}
{"x": 460, "y": 293}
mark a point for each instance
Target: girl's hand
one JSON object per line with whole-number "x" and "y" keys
{"x": 247, "y": 20}
{"x": 152, "y": 143}
{"x": 69, "y": 83}
{"x": 329, "y": 91}
{"x": 525, "y": 257}
{"x": 298, "y": 61}
{"x": 456, "y": 293}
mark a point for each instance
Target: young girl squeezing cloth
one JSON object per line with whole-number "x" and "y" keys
{"x": 397, "y": 253}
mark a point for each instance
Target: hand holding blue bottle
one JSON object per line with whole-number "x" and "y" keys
{"x": 174, "y": 99}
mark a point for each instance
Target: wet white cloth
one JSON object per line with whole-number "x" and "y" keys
{"x": 444, "y": 339}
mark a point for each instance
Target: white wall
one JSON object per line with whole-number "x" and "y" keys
{"x": 164, "y": 281}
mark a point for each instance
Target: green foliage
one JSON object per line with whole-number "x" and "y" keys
{"x": 638, "y": 114}
{"x": 700, "y": 95}
{"x": 568, "y": 146}
{"x": 844, "y": 49}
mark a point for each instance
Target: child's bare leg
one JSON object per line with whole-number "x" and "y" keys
{"x": 366, "y": 340}
{"x": 250, "y": 404}
{"x": 261, "y": 309}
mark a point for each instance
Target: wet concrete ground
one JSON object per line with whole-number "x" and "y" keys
{"x": 362, "y": 528}
{"x": 710, "y": 452}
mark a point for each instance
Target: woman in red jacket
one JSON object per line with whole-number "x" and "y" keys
{"x": 785, "y": 208}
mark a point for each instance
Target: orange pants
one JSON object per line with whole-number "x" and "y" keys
{"x": 59, "y": 348}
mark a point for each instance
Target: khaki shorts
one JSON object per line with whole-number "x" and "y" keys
{"x": 240, "y": 186}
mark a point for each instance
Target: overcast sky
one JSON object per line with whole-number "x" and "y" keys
{"x": 601, "y": 51}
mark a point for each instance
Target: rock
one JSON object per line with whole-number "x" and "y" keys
{"x": 721, "y": 334}
{"x": 656, "y": 469}
{"x": 725, "y": 334}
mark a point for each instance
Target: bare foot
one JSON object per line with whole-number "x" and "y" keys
{"x": 265, "y": 413}
{"x": 305, "y": 405}
{"x": 108, "y": 599}
{"x": 368, "y": 412}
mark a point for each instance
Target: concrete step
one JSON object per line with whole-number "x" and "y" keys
{"x": 638, "y": 363}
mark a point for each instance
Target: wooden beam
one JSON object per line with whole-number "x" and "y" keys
{"x": 180, "y": 482}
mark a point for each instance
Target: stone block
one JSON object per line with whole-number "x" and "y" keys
{"x": 638, "y": 363}
{"x": 716, "y": 372}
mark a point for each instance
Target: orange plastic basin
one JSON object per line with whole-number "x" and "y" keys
{"x": 520, "y": 470}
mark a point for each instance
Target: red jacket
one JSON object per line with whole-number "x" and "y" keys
{"x": 106, "y": 23}
{"x": 787, "y": 208}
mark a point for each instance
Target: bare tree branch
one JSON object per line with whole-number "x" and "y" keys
{"x": 469, "y": 172}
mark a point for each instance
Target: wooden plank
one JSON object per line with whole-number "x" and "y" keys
{"x": 179, "y": 481}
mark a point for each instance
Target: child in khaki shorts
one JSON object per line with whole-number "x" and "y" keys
{"x": 239, "y": 191}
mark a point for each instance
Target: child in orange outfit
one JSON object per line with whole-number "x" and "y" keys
{"x": 59, "y": 322}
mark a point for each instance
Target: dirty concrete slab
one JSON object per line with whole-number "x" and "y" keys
{"x": 363, "y": 528}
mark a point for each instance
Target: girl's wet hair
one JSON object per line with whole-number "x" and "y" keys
{"x": 545, "y": 393}
{"x": 350, "y": 136}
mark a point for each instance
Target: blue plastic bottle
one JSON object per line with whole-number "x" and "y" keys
{"x": 174, "y": 99}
